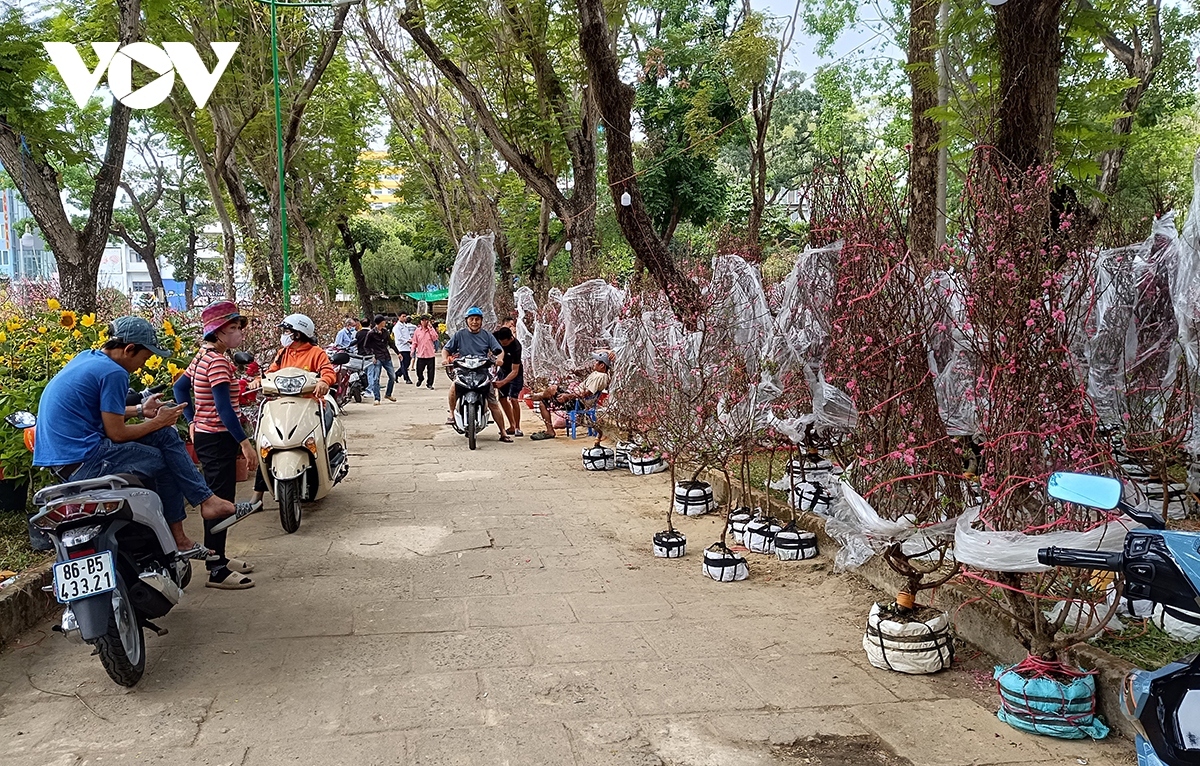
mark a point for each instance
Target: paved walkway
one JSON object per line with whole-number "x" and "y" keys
{"x": 501, "y": 606}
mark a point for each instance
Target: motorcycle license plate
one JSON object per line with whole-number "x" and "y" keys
{"x": 80, "y": 578}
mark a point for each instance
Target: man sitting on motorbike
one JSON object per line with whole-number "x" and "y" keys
{"x": 473, "y": 340}
{"x": 298, "y": 348}
{"x": 82, "y": 431}
{"x": 587, "y": 392}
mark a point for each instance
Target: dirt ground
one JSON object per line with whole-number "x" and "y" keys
{"x": 502, "y": 606}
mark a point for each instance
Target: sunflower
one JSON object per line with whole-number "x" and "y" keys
{"x": 178, "y": 344}
{"x": 53, "y": 304}
{"x": 148, "y": 379}
{"x": 42, "y": 330}
{"x": 3, "y": 336}
{"x": 168, "y": 328}
{"x": 76, "y": 335}
{"x": 67, "y": 319}
{"x": 87, "y": 320}
{"x": 173, "y": 370}
{"x": 154, "y": 362}
{"x": 14, "y": 324}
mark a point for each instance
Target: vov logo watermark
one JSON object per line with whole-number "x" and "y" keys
{"x": 169, "y": 60}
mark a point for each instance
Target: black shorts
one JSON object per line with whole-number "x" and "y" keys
{"x": 513, "y": 389}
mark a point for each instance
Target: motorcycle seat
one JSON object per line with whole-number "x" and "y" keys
{"x": 132, "y": 479}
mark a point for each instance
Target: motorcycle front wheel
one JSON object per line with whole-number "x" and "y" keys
{"x": 122, "y": 648}
{"x": 471, "y": 424}
{"x": 289, "y": 504}
{"x": 356, "y": 393}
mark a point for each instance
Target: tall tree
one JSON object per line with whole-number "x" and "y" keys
{"x": 34, "y": 149}
{"x": 926, "y": 131}
{"x": 598, "y": 41}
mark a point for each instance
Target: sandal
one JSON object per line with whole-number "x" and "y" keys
{"x": 239, "y": 566}
{"x": 541, "y": 436}
{"x": 231, "y": 581}
{"x": 197, "y": 551}
{"x": 506, "y": 438}
{"x": 241, "y": 511}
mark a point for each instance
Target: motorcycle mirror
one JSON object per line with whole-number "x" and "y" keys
{"x": 242, "y": 358}
{"x": 21, "y": 419}
{"x": 340, "y": 357}
{"x": 1084, "y": 489}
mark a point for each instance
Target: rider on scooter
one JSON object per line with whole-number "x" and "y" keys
{"x": 298, "y": 348}
{"x": 82, "y": 429}
{"x": 473, "y": 340}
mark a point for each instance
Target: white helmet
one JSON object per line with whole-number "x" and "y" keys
{"x": 301, "y": 324}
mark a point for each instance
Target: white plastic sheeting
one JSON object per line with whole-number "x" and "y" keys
{"x": 1186, "y": 294}
{"x": 862, "y": 532}
{"x": 473, "y": 281}
{"x": 802, "y": 325}
{"x": 526, "y": 311}
{"x": 589, "y": 315}
{"x": 1017, "y": 552}
{"x": 949, "y": 358}
{"x": 740, "y": 305}
{"x": 1132, "y": 346}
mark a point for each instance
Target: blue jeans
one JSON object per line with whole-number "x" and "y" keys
{"x": 159, "y": 457}
{"x": 373, "y": 374}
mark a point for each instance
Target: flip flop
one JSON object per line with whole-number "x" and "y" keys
{"x": 197, "y": 551}
{"x": 506, "y": 438}
{"x": 540, "y": 436}
{"x": 242, "y": 510}
{"x": 231, "y": 581}
{"x": 239, "y": 566}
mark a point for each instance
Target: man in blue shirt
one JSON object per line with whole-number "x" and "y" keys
{"x": 473, "y": 340}
{"x": 346, "y": 335}
{"x": 82, "y": 431}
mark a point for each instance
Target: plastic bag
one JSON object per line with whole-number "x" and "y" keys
{"x": 473, "y": 281}
{"x": 740, "y": 304}
{"x": 802, "y": 328}
{"x": 862, "y": 532}
{"x": 1017, "y": 552}
{"x": 589, "y": 316}
{"x": 1185, "y": 291}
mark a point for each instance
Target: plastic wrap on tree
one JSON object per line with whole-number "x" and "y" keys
{"x": 740, "y": 305}
{"x": 473, "y": 281}
{"x": 833, "y": 407}
{"x": 589, "y": 315}
{"x": 802, "y": 322}
{"x": 526, "y": 312}
{"x": 949, "y": 354}
{"x": 1186, "y": 294}
{"x": 1131, "y": 349}
{"x": 1017, "y": 552}
{"x": 862, "y": 532}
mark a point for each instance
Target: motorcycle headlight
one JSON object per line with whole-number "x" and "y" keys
{"x": 290, "y": 386}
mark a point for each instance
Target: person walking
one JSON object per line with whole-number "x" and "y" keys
{"x": 510, "y": 380}
{"x": 424, "y": 347}
{"x": 379, "y": 343}
{"x": 218, "y": 435}
{"x": 403, "y": 333}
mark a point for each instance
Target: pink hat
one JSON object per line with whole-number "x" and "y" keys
{"x": 217, "y": 315}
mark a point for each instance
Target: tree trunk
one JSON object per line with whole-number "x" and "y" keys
{"x": 212, "y": 180}
{"x": 252, "y": 249}
{"x": 922, "y": 165}
{"x": 615, "y": 99}
{"x": 360, "y": 279}
{"x": 189, "y": 265}
{"x": 77, "y": 253}
{"x": 1029, "y": 39}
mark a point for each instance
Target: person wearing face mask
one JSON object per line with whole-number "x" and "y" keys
{"x": 298, "y": 348}
{"x": 346, "y": 335}
{"x": 218, "y": 435}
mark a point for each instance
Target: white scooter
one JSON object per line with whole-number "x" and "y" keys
{"x": 301, "y": 442}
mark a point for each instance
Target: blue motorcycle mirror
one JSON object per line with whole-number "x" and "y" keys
{"x": 1084, "y": 489}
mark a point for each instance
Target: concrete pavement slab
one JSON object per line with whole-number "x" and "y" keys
{"x": 543, "y": 745}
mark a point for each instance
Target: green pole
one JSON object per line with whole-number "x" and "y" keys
{"x": 287, "y": 276}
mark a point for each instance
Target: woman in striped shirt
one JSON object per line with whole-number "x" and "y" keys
{"x": 218, "y": 434}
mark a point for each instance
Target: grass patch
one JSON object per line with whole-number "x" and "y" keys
{"x": 15, "y": 552}
{"x": 1145, "y": 645}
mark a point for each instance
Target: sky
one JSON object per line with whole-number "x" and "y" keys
{"x": 803, "y": 56}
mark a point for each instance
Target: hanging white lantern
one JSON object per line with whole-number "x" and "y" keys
{"x": 568, "y": 245}
{"x": 626, "y": 200}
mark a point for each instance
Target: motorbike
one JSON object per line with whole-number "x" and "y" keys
{"x": 1162, "y": 566}
{"x": 472, "y": 385}
{"x": 352, "y": 375}
{"x": 301, "y": 442}
{"x": 117, "y": 564}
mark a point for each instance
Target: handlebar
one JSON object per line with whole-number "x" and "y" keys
{"x": 1074, "y": 557}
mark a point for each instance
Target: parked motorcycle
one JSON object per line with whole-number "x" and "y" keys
{"x": 301, "y": 442}
{"x": 472, "y": 385}
{"x": 117, "y": 565}
{"x": 248, "y": 394}
{"x": 352, "y": 375}
{"x": 1161, "y": 566}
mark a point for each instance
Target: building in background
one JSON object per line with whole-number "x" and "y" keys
{"x": 23, "y": 254}
{"x": 383, "y": 179}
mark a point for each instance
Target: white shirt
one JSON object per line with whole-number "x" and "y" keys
{"x": 403, "y": 334}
